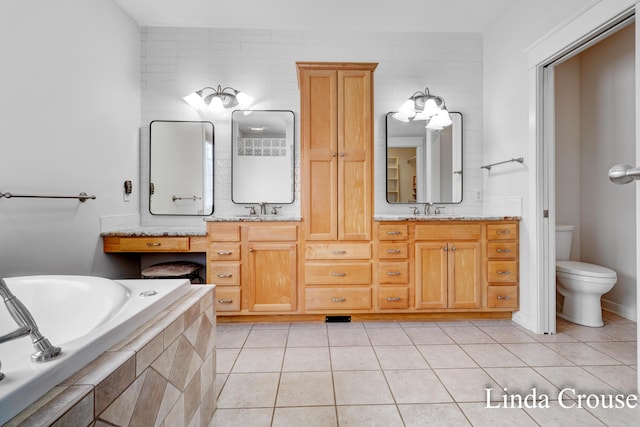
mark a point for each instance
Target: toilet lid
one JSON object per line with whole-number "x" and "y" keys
{"x": 584, "y": 269}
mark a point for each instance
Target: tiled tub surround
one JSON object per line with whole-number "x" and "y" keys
{"x": 163, "y": 374}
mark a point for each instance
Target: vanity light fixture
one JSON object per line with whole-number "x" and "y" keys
{"x": 217, "y": 99}
{"x": 424, "y": 106}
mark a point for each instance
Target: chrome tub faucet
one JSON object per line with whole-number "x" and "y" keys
{"x": 26, "y": 326}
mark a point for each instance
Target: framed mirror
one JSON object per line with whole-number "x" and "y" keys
{"x": 263, "y": 156}
{"x": 180, "y": 168}
{"x": 424, "y": 165}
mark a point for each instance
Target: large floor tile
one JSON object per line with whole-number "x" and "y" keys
{"x": 400, "y": 357}
{"x": 446, "y": 356}
{"x": 251, "y": 417}
{"x": 431, "y": 335}
{"x": 305, "y": 389}
{"x": 348, "y": 337}
{"x": 467, "y": 335}
{"x": 370, "y": 416}
{"x": 522, "y": 381}
{"x": 317, "y": 416}
{"x": 306, "y": 359}
{"x": 225, "y": 358}
{"x": 259, "y": 360}
{"x": 421, "y": 386}
{"x": 267, "y": 338}
{"x": 256, "y": 390}
{"x": 388, "y": 336}
{"x": 622, "y": 378}
{"x": 537, "y": 354}
{"x": 361, "y": 388}
{"x": 575, "y": 377}
{"x": 308, "y": 338}
{"x": 481, "y": 416}
{"x": 556, "y": 415}
{"x": 467, "y": 385}
{"x": 433, "y": 415}
{"x": 353, "y": 359}
{"x": 621, "y": 351}
{"x": 506, "y": 334}
{"x": 491, "y": 355}
{"x": 582, "y": 354}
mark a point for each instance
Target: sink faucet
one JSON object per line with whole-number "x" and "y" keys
{"x": 26, "y": 326}
{"x": 263, "y": 208}
{"x": 427, "y": 208}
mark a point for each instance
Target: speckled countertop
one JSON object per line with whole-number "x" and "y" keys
{"x": 444, "y": 217}
{"x": 157, "y": 231}
{"x": 253, "y": 218}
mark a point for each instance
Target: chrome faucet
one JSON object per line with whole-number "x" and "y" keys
{"x": 427, "y": 208}
{"x": 263, "y": 208}
{"x": 26, "y": 326}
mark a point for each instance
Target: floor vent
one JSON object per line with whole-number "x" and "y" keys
{"x": 334, "y": 319}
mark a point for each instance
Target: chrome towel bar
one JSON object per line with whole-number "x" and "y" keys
{"x": 489, "y": 166}
{"x": 83, "y": 197}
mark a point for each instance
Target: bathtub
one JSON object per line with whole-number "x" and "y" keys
{"x": 82, "y": 314}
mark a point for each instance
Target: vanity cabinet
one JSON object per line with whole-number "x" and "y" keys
{"x": 142, "y": 244}
{"x": 502, "y": 265}
{"x": 394, "y": 276}
{"x": 254, "y": 265}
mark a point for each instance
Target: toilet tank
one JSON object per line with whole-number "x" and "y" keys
{"x": 564, "y": 234}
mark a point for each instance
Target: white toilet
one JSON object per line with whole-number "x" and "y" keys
{"x": 581, "y": 284}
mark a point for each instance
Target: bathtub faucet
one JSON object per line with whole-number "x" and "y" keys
{"x": 26, "y": 326}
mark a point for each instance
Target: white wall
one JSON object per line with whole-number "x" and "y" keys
{"x": 70, "y": 117}
{"x": 177, "y": 61}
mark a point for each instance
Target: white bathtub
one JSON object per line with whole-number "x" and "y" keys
{"x": 82, "y": 314}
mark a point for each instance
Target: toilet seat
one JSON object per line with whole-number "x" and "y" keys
{"x": 577, "y": 268}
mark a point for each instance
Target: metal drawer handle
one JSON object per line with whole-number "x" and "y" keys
{"x": 503, "y": 231}
{"x": 336, "y": 274}
{"x": 338, "y": 252}
{"x": 225, "y": 252}
{"x": 394, "y": 233}
{"x": 338, "y": 299}
{"x": 225, "y": 301}
{"x": 393, "y": 251}
{"x": 154, "y": 244}
{"x": 503, "y": 251}
{"x": 503, "y": 273}
{"x": 504, "y": 298}
{"x": 393, "y": 273}
{"x": 393, "y": 298}
{"x": 225, "y": 275}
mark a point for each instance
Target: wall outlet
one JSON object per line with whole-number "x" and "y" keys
{"x": 478, "y": 195}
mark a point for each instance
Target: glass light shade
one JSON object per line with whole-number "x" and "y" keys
{"x": 431, "y": 107}
{"x": 433, "y": 126}
{"x": 408, "y": 108}
{"x": 195, "y": 101}
{"x": 216, "y": 104}
{"x": 420, "y": 115}
{"x": 244, "y": 100}
{"x": 443, "y": 118}
{"x": 401, "y": 117}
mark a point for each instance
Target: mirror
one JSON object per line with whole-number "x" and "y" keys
{"x": 180, "y": 168}
{"x": 424, "y": 165}
{"x": 262, "y": 156}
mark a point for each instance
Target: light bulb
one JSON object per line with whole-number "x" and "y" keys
{"x": 195, "y": 101}
{"x": 216, "y": 104}
{"x": 244, "y": 100}
{"x": 408, "y": 108}
{"x": 431, "y": 107}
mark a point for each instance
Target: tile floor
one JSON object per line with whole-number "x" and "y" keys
{"x": 421, "y": 373}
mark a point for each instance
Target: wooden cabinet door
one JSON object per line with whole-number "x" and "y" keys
{"x": 464, "y": 275}
{"x": 272, "y": 276}
{"x": 319, "y": 132}
{"x": 431, "y": 274}
{"x": 355, "y": 146}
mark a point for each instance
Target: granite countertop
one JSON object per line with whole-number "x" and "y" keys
{"x": 155, "y": 231}
{"x": 253, "y": 218}
{"x": 444, "y": 217}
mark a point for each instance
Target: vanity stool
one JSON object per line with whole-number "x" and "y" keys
{"x": 174, "y": 270}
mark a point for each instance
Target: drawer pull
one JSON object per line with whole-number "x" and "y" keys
{"x": 503, "y": 273}
{"x": 336, "y": 274}
{"x": 225, "y": 252}
{"x": 394, "y": 233}
{"x": 503, "y": 251}
{"x": 393, "y": 298}
{"x": 503, "y": 231}
{"x": 393, "y": 251}
{"x": 338, "y": 299}
{"x": 225, "y": 301}
{"x": 393, "y": 273}
{"x": 338, "y": 252}
{"x": 225, "y": 275}
{"x": 504, "y": 297}
{"x": 154, "y": 244}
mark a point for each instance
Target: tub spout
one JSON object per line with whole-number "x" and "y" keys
{"x": 26, "y": 326}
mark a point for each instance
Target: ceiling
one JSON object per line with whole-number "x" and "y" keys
{"x": 357, "y": 15}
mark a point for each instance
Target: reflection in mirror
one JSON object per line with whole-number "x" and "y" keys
{"x": 263, "y": 156}
{"x": 424, "y": 165}
{"x": 181, "y": 168}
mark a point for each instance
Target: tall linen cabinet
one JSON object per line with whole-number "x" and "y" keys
{"x": 336, "y": 109}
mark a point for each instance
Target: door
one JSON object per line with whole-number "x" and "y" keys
{"x": 272, "y": 276}
{"x": 431, "y": 274}
{"x": 464, "y": 275}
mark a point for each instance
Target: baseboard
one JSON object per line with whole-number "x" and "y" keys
{"x": 619, "y": 309}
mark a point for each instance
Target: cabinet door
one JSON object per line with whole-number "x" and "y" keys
{"x": 272, "y": 276}
{"x": 355, "y": 148}
{"x": 431, "y": 274}
{"x": 464, "y": 275}
{"x": 319, "y": 154}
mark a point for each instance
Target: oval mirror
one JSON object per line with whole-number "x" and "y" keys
{"x": 180, "y": 168}
{"x": 262, "y": 160}
{"x": 424, "y": 165}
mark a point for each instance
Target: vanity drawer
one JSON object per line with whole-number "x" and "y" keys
{"x": 393, "y": 272}
{"x": 392, "y": 232}
{"x": 502, "y": 250}
{"x": 502, "y": 271}
{"x": 222, "y": 232}
{"x": 336, "y": 251}
{"x": 393, "y": 297}
{"x": 272, "y": 233}
{"x": 224, "y": 252}
{"x": 154, "y": 244}
{"x": 502, "y": 231}
{"x": 224, "y": 273}
{"x": 227, "y": 299}
{"x": 502, "y": 296}
{"x": 448, "y": 231}
{"x": 338, "y": 299}
{"x": 393, "y": 251}
{"x": 351, "y": 273}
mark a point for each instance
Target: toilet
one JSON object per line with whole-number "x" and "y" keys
{"x": 581, "y": 284}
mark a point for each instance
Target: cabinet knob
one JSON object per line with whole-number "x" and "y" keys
{"x": 342, "y": 154}
{"x": 225, "y": 301}
{"x": 504, "y": 297}
{"x": 393, "y": 298}
{"x": 338, "y": 299}
{"x": 453, "y": 248}
{"x": 337, "y": 274}
{"x": 334, "y": 154}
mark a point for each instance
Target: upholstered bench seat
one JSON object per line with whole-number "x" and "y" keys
{"x": 174, "y": 270}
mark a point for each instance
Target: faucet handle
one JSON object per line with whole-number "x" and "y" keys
{"x": 416, "y": 210}
{"x": 437, "y": 210}
{"x": 252, "y": 209}
{"x": 274, "y": 210}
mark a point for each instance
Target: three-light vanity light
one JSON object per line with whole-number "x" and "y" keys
{"x": 425, "y": 106}
{"x": 218, "y": 99}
